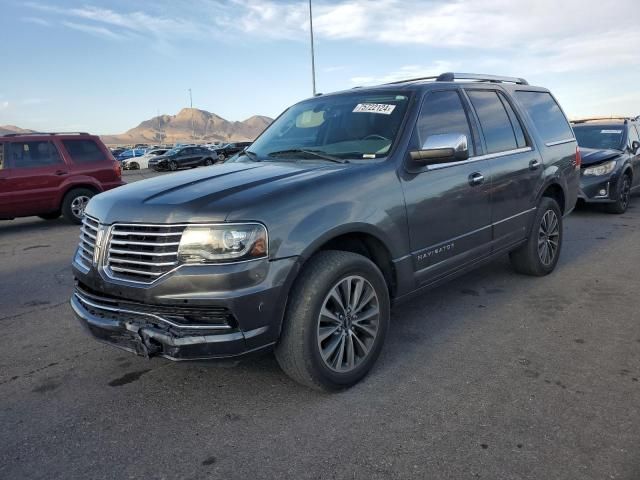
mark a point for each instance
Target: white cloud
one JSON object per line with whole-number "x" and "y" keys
{"x": 37, "y": 21}
{"x": 93, "y": 30}
{"x": 552, "y": 37}
{"x": 4, "y": 105}
{"x": 405, "y": 72}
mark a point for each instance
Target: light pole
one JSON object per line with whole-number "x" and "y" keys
{"x": 193, "y": 132}
{"x": 313, "y": 60}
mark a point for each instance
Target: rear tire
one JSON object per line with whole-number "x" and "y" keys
{"x": 624, "y": 196}
{"x": 51, "y": 216}
{"x": 74, "y": 203}
{"x": 334, "y": 349}
{"x": 539, "y": 256}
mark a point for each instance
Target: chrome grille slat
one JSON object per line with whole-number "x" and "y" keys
{"x": 142, "y": 253}
{"x": 87, "y": 240}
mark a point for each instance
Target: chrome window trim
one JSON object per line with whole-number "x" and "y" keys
{"x": 560, "y": 142}
{"x": 437, "y": 166}
{"x": 83, "y": 299}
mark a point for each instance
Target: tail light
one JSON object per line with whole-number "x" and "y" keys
{"x": 578, "y": 160}
{"x": 117, "y": 168}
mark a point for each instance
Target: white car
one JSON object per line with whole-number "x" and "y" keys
{"x": 136, "y": 163}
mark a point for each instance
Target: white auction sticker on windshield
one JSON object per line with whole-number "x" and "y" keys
{"x": 382, "y": 108}
{"x": 610, "y": 131}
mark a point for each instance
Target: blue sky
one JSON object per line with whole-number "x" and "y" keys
{"x": 104, "y": 66}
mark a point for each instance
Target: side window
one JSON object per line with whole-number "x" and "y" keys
{"x": 494, "y": 121}
{"x": 84, "y": 151}
{"x": 515, "y": 122}
{"x": 2, "y": 156}
{"x": 32, "y": 154}
{"x": 546, "y": 115}
{"x": 443, "y": 112}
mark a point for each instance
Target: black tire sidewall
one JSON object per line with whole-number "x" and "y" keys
{"x": 68, "y": 200}
{"x": 320, "y": 372}
{"x": 546, "y": 204}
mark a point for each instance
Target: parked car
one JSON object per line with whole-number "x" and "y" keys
{"x": 137, "y": 163}
{"x": 130, "y": 153}
{"x": 610, "y": 151}
{"x": 116, "y": 151}
{"x": 49, "y": 175}
{"x": 230, "y": 149}
{"x": 352, "y": 201}
{"x": 182, "y": 157}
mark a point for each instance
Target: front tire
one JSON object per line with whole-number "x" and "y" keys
{"x": 624, "y": 196}
{"x": 539, "y": 256}
{"x": 208, "y": 161}
{"x": 173, "y": 166}
{"x": 336, "y": 321}
{"x": 74, "y": 204}
{"x": 134, "y": 166}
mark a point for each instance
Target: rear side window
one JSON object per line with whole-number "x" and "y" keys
{"x": 32, "y": 155}
{"x": 496, "y": 125}
{"x": 633, "y": 136}
{"x": 546, "y": 116}
{"x": 84, "y": 151}
{"x": 442, "y": 112}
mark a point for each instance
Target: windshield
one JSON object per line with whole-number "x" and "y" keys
{"x": 173, "y": 151}
{"x": 600, "y": 137}
{"x": 351, "y": 126}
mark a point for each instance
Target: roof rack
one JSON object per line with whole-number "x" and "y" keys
{"x": 452, "y": 76}
{"x": 595, "y": 119}
{"x": 41, "y": 134}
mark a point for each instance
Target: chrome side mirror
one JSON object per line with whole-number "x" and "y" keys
{"x": 444, "y": 147}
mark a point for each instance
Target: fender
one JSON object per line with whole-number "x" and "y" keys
{"x": 78, "y": 181}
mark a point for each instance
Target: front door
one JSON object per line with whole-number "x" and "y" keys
{"x": 31, "y": 178}
{"x": 448, "y": 204}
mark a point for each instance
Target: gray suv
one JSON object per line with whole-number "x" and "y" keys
{"x": 347, "y": 204}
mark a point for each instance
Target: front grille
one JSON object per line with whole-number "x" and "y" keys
{"x": 188, "y": 317}
{"x": 142, "y": 253}
{"x": 88, "y": 233}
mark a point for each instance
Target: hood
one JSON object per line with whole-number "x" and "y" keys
{"x": 592, "y": 156}
{"x": 200, "y": 195}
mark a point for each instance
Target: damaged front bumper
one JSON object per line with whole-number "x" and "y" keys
{"x": 149, "y": 332}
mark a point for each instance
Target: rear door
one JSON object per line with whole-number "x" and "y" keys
{"x": 86, "y": 157}
{"x": 31, "y": 178}
{"x": 634, "y": 136}
{"x": 514, "y": 166}
{"x": 448, "y": 204}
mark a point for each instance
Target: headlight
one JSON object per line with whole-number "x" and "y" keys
{"x": 599, "y": 170}
{"x": 223, "y": 243}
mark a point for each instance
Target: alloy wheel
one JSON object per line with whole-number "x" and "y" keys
{"x": 548, "y": 237}
{"x": 625, "y": 192}
{"x": 348, "y": 324}
{"x": 78, "y": 205}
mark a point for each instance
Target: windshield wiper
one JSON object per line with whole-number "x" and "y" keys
{"x": 315, "y": 153}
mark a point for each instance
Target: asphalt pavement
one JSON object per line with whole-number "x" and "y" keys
{"x": 494, "y": 376}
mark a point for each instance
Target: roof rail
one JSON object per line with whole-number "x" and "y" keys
{"x": 452, "y": 76}
{"x": 595, "y": 119}
{"x": 41, "y": 134}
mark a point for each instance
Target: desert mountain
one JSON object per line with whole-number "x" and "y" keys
{"x": 191, "y": 125}
{"x": 6, "y": 129}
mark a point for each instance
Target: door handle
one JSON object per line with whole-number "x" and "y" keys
{"x": 476, "y": 179}
{"x": 534, "y": 164}
{"x": 60, "y": 172}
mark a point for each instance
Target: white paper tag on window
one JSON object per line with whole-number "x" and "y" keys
{"x": 382, "y": 108}
{"x": 610, "y": 131}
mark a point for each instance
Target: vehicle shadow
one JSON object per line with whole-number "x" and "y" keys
{"x": 32, "y": 224}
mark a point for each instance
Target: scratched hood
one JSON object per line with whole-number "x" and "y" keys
{"x": 205, "y": 194}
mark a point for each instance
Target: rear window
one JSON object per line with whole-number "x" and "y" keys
{"x": 546, "y": 116}
{"x": 84, "y": 151}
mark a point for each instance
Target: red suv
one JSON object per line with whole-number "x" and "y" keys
{"x": 53, "y": 174}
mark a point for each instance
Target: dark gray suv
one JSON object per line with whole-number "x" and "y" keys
{"x": 348, "y": 203}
